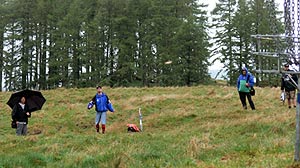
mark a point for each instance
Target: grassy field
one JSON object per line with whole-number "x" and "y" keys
{"x": 203, "y": 126}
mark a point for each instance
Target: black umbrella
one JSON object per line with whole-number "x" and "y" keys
{"x": 34, "y": 99}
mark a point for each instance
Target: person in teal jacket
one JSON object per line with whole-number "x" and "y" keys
{"x": 102, "y": 105}
{"x": 244, "y": 83}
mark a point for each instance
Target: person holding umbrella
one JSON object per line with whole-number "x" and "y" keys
{"x": 23, "y": 103}
{"x": 102, "y": 104}
{"x": 20, "y": 114}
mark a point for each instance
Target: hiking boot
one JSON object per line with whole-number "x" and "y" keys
{"x": 103, "y": 128}
{"x": 97, "y": 127}
{"x": 245, "y": 107}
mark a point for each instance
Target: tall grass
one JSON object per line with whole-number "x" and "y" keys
{"x": 203, "y": 126}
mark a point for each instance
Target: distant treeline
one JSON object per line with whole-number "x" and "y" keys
{"x": 82, "y": 43}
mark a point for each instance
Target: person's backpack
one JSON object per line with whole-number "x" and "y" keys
{"x": 252, "y": 90}
{"x": 132, "y": 128}
{"x": 13, "y": 124}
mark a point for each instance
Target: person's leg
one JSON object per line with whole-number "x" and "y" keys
{"x": 24, "y": 130}
{"x": 250, "y": 101}
{"x": 288, "y": 96}
{"x": 293, "y": 97}
{"x": 103, "y": 121}
{"x": 243, "y": 99}
{"x": 103, "y": 128}
{"x": 19, "y": 129}
{"x": 97, "y": 120}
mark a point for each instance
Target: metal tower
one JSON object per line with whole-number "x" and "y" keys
{"x": 282, "y": 48}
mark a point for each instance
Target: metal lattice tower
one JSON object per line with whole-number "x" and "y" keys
{"x": 275, "y": 48}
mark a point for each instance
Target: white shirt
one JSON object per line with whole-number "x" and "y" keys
{"x": 22, "y": 105}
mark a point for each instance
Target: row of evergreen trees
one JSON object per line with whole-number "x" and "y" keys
{"x": 81, "y": 43}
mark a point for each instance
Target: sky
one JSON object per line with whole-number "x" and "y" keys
{"x": 213, "y": 69}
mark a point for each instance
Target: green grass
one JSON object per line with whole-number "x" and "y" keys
{"x": 202, "y": 126}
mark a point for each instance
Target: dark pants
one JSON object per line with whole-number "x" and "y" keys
{"x": 21, "y": 128}
{"x": 243, "y": 96}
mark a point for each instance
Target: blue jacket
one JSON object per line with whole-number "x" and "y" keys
{"x": 244, "y": 78}
{"x": 102, "y": 103}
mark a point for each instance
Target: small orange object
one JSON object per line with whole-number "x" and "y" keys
{"x": 132, "y": 128}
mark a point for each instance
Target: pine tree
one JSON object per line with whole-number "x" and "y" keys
{"x": 3, "y": 22}
{"x": 223, "y": 22}
{"x": 192, "y": 46}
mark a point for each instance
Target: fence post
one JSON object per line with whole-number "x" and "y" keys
{"x": 297, "y": 143}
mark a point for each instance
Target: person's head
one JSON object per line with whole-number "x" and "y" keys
{"x": 99, "y": 89}
{"x": 286, "y": 67}
{"x": 23, "y": 100}
{"x": 244, "y": 71}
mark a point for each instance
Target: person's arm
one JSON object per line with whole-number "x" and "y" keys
{"x": 295, "y": 78}
{"x": 107, "y": 99}
{"x": 91, "y": 103}
{"x": 27, "y": 113}
{"x": 251, "y": 81}
{"x": 109, "y": 106}
{"x": 282, "y": 83}
{"x": 94, "y": 99}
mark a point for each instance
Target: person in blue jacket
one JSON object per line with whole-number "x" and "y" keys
{"x": 244, "y": 83}
{"x": 102, "y": 104}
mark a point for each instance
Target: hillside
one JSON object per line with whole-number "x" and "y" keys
{"x": 202, "y": 126}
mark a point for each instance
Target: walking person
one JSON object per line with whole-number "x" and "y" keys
{"x": 288, "y": 86}
{"x": 20, "y": 114}
{"x": 244, "y": 83}
{"x": 102, "y": 104}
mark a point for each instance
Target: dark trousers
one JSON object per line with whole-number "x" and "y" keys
{"x": 21, "y": 128}
{"x": 243, "y": 96}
